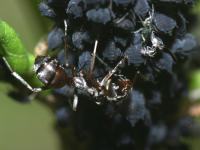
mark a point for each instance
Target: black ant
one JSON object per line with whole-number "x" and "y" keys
{"x": 52, "y": 74}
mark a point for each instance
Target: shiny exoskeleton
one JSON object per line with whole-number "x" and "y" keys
{"x": 53, "y": 75}
{"x": 50, "y": 72}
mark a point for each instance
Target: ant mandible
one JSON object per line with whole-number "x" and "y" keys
{"x": 52, "y": 74}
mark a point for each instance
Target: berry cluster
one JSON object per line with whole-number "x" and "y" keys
{"x": 152, "y": 38}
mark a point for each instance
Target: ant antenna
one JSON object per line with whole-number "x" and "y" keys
{"x": 107, "y": 77}
{"x": 65, "y": 24}
{"x": 102, "y": 62}
{"x": 93, "y": 57}
{"x": 65, "y": 42}
{"x": 117, "y": 21}
{"x": 75, "y": 102}
{"x": 111, "y": 4}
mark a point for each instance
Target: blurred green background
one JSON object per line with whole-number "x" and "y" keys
{"x": 30, "y": 126}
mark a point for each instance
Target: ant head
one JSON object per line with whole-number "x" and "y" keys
{"x": 50, "y": 72}
{"x": 40, "y": 60}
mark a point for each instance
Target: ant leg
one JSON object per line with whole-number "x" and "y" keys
{"x": 117, "y": 21}
{"x": 111, "y": 4}
{"x": 107, "y": 77}
{"x": 138, "y": 31}
{"x": 75, "y": 102}
{"x": 143, "y": 38}
{"x": 65, "y": 24}
{"x": 93, "y": 57}
{"x": 65, "y": 42}
{"x": 18, "y": 77}
{"x": 153, "y": 11}
{"x": 66, "y": 65}
{"x": 102, "y": 62}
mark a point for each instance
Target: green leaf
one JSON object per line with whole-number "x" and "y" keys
{"x": 12, "y": 48}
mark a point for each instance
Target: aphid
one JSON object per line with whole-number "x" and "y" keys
{"x": 111, "y": 52}
{"x": 141, "y": 7}
{"x": 136, "y": 109}
{"x": 163, "y": 23}
{"x": 80, "y": 38}
{"x": 165, "y": 63}
{"x": 148, "y": 32}
{"x": 74, "y": 9}
{"x": 125, "y": 22}
{"x": 55, "y": 38}
{"x": 46, "y": 10}
{"x": 184, "y": 46}
{"x": 101, "y": 15}
{"x": 134, "y": 55}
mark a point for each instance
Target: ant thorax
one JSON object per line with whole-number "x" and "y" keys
{"x": 108, "y": 90}
{"x": 81, "y": 84}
